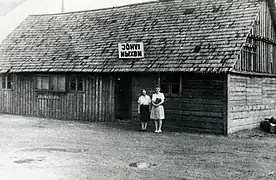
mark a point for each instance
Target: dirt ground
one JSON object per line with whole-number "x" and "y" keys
{"x": 46, "y": 149}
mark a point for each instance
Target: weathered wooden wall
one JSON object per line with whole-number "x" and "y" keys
{"x": 260, "y": 55}
{"x": 95, "y": 103}
{"x": 201, "y": 106}
{"x": 203, "y": 103}
{"x": 139, "y": 82}
{"x": 251, "y": 99}
{"x": 264, "y": 26}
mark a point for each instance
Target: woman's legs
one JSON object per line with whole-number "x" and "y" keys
{"x": 160, "y": 125}
{"x": 156, "y": 125}
{"x": 145, "y": 125}
{"x": 142, "y": 124}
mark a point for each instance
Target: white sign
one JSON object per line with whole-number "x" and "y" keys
{"x": 131, "y": 50}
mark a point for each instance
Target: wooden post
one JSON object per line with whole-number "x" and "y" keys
{"x": 226, "y": 114}
{"x": 159, "y": 80}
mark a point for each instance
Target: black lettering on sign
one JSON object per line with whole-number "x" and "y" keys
{"x": 131, "y": 46}
{"x": 127, "y": 46}
{"x": 134, "y": 46}
{"x": 131, "y": 50}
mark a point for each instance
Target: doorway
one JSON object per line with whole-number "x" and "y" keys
{"x": 123, "y": 97}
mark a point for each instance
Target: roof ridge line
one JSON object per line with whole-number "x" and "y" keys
{"x": 99, "y": 9}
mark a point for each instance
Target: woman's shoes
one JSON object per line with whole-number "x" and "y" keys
{"x": 158, "y": 131}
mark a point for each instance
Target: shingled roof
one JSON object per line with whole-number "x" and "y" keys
{"x": 171, "y": 32}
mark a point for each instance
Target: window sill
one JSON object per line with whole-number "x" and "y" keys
{"x": 172, "y": 95}
{"x": 75, "y": 91}
{"x": 49, "y": 91}
{"x": 6, "y": 89}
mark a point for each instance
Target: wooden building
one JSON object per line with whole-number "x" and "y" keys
{"x": 214, "y": 60}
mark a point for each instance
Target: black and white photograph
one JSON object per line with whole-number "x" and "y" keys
{"x": 137, "y": 89}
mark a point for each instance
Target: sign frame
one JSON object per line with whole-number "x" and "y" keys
{"x": 131, "y": 50}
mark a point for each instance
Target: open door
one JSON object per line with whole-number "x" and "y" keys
{"x": 123, "y": 93}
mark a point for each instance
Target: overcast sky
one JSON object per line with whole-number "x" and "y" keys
{"x": 13, "y": 12}
{"x": 6, "y": 5}
{"x": 70, "y": 5}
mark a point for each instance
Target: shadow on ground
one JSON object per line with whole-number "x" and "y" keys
{"x": 135, "y": 126}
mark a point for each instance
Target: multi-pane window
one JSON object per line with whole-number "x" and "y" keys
{"x": 257, "y": 55}
{"x": 51, "y": 82}
{"x": 171, "y": 83}
{"x": 76, "y": 83}
{"x": 6, "y": 81}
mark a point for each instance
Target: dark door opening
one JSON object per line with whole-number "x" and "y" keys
{"x": 123, "y": 95}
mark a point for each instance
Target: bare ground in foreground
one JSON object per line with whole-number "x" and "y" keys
{"x": 40, "y": 149}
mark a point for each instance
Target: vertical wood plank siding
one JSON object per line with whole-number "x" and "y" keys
{"x": 199, "y": 107}
{"x": 95, "y": 103}
{"x": 251, "y": 99}
{"x": 259, "y": 52}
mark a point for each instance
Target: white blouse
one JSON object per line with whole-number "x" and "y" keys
{"x": 144, "y": 100}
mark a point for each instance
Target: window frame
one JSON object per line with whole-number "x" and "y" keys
{"x": 170, "y": 84}
{"x": 78, "y": 78}
{"x": 50, "y": 77}
{"x": 5, "y": 81}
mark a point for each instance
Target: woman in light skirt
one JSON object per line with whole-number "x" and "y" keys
{"x": 157, "y": 110}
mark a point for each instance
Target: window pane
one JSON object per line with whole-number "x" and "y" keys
{"x": 73, "y": 84}
{"x": 175, "y": 78}
{"x": 45, "y": 82}
{"x": 165, "y": 83}
{"x": 175, "y": 83}
{"x": 9, "y": 85}
{"x": 61, "y": 83}
{"x": 175, "y": 88}
{"x": 165, "y": 87}
{"x": 38, "y": 83}
{"x": 80, "y": 85}
{"x": 9, "y": 78}
{"x": 4, "y": 82}
{"x": 53, "y": 83}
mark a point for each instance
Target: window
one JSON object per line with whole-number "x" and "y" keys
{"x": 165, "y": 84}
{"x": 6, "y": 81}
{"x": 171, "y": 83}
{"x": 50, "y": 82}
{"x": 76, "y": 83}
{"x": 257, "y": 55}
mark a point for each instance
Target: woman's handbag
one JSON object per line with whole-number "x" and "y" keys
{"x": 157, "y": 101}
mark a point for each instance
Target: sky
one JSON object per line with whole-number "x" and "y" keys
{"x": 6, "y": 5}
{"x": 13, "y": 12}
{"x": 70, "y": 5}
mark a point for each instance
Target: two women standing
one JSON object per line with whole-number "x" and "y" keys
{"x": 157, "y": 110}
